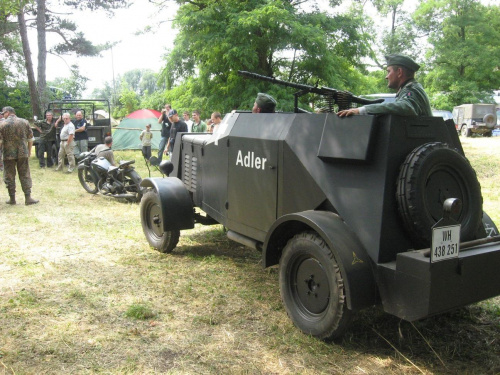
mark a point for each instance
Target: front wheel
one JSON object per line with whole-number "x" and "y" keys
{"x": 312, "y": 287}
{"x": 465, "y": 131}
{"x": 152, "y": 224}
{"x": 88, "y": 180}
{"x": 132, "y": 182}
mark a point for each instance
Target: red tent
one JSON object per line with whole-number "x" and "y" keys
{"x": 144, "y": 114}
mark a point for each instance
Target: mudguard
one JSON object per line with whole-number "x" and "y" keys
{"x": 176, "y": 203}
{"x": 355, "y": 264}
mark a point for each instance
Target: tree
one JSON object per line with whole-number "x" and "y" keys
{"x": 401, "y": 36}
{"x": 464, "y": 61}
{"x": 74, "y": 85}
{"x": 271, "y": 37}
{"x": 45, "y": 21}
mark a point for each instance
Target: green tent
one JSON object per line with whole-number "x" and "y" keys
{"x": 126, "y": 135}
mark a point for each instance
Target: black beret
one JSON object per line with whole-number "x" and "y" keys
{"x": 402, "y": 60}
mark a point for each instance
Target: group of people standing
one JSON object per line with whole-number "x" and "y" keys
{"x": 73, "y": 137}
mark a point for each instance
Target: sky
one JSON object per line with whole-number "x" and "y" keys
{"x": 132, "y": 51}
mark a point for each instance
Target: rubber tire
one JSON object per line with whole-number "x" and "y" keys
{"x": 162, "y": 241}
{"x": 327, "y": 317}
{"x": 135, "y": 179}
{"x": 489, "y": 226}
{"x": 89, "y": 188}
{"x": 431, "y": 174}
{"x": 465, "y": 131}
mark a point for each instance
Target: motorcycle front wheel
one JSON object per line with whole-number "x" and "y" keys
{"x": 88, "y": 180}
{"x": 132, "y": 182}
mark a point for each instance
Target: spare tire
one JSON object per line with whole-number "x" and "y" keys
{"x": 489, "y": 120}
{"x": 431, "y": 174}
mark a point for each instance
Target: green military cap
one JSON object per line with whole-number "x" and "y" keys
{"x": 265, "y": 101}
{"x": 402, "y": 60}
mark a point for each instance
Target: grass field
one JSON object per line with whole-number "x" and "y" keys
{"x": 81, "y": 292}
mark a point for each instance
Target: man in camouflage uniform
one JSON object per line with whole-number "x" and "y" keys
{"x": 411, "y": 99}
{"x": 16, "y": 138}
{"x": 47, "y": 129}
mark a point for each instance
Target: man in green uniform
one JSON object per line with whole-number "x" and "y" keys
{"x": 16, "y": 138}
{"x": 411, "y": 99}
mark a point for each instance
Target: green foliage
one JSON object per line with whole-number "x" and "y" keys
{"x": 129, "y": 101}
{"x": 270, "y": 37}
{"x": 75, "y": 85}
{"x": 17, "y": 97}
{"x": 463, "y": 60}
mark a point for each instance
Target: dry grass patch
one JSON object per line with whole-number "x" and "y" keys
{"x": 82, "y": 292}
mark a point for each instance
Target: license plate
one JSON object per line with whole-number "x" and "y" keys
{"x": 91, "y": 139}
{"x": 445, "y": 243}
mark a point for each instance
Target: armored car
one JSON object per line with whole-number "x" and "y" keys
{"x": 355, "y": 211}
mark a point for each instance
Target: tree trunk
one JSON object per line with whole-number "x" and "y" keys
{"x": 42, "y": 54}
{"x": 35, "y": 101}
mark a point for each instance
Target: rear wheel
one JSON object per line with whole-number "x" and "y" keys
{"x": 152, "y": 224}
{"x": 88, "y": 180}
{"x": 312, "y": 287}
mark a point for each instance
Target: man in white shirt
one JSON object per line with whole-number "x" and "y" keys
{"x": 67, "y": 143}
{"x": 187, "y": 120}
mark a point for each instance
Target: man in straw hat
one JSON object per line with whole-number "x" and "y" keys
{"x": 411, "y": 99}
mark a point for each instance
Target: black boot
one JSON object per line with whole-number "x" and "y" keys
{"x": 28, "y": 200}
{"x": 12, "y": 200}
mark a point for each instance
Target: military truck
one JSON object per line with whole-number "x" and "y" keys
{"x": 97, "y": 129}
{"x": 354, "y": 211}
{"x": 475, "y": 119}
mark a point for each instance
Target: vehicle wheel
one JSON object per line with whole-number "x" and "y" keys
{"x": 152, "y": 224}
{"x": 431, "y": 174}
{"x": 312, "y": 288}
{"x": 87, "y": 180}
{"x": 465, "y": 131}
{"x": 489, "y": 226}
{"x": 132, "y": 184}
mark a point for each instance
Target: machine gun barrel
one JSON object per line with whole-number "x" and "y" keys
{"x": 313, "y": 89}
{"x": 343, "y": 99}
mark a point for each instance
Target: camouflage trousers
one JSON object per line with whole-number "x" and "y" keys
{"x": 9, "y": 175}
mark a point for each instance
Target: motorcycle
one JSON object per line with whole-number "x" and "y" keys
{"x": 96, "y": 174}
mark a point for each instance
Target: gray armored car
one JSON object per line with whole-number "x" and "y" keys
{"x": 356, "y": 211}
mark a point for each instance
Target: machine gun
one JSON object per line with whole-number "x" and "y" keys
{"x": 343, "y": 99}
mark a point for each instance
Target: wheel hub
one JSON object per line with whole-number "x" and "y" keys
{"x": 312, "y": 286}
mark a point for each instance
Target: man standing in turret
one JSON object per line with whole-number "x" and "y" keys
{"x": 411, "y": 99}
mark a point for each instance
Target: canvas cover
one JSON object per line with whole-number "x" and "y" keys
{"x": 126, "y": 135}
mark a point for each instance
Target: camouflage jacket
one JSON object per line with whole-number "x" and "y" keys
{"x": 15, "y": 133}
{"x": 411, "y": 100}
